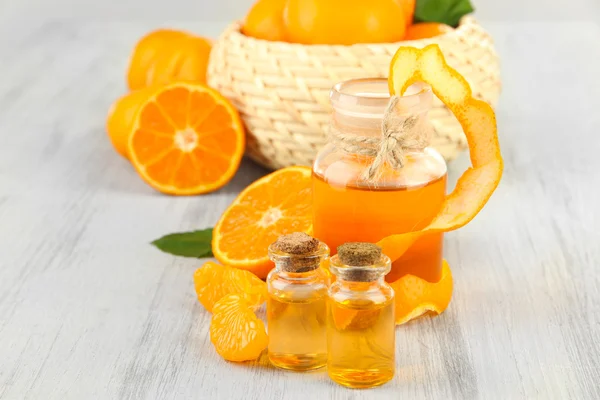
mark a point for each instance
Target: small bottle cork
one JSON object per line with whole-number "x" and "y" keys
{"x": 301, "y": 249}
{"x": 356, "y": 254}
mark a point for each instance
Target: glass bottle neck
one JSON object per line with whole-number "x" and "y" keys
{"x": 354, "y": 286}
{"x": 359, "y": 106}
{"x": 297, "y": 276}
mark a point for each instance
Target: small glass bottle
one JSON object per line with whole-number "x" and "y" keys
{"x": 360, "y": 318}
{"x": 297, "y": 303}
{"x": 349, "y": 208}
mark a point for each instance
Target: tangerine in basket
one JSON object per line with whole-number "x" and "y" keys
{"x": 425, "y": 30}
{"x": 344, "y": 22}
{"x": 235, "y": 331}
{"x": 186, "y": 139}
{"x": 164, "y": 56}
{"x": 265, "y": 21}
{"x": 408, "y": 7}
{"x": 277, "y": 204}
{"x": 213, "y": 282}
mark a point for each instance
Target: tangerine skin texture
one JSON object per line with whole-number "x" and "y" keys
{"x": 344, "y": 22}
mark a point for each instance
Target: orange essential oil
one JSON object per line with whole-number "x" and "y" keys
{"x": 297, "y": 303}
{"x": 360, "y": 318}
{"x": 347, "y": 206}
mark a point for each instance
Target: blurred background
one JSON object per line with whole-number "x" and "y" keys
{"x": 225, "y": 10}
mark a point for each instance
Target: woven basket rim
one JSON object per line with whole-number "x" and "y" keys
{"x": 235, "y": 28}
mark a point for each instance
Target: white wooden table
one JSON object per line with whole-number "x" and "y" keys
{"x": 89, "y": 310}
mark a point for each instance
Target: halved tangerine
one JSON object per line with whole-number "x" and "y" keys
{"x": 277, "y": 204}
{"x": 187, "y": 139}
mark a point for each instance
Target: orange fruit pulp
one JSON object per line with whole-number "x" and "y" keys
{"x": 424, "y": 30}
{"x": 277, "y": 204}
{"x": 344, "y": 22}
{"x": 235, "y": 331}
{"x": 213, "y": 282}
{"x": 186, "y": 139}
{"x": 164, "y": 56}
{"x": 353, "y": 214}
{"x": 265, "y": 21}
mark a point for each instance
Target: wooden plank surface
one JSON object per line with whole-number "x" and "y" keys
{"x": 89, "y": 310}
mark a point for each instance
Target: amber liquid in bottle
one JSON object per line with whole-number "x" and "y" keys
{"x": 360, "y": 214}
{"x": 297, "y": 307}
{"x": 297, "y": 330}
{"x": 360, "y": 321}
{"x": 349, "y": 206}
{"x": 361, "y": 352}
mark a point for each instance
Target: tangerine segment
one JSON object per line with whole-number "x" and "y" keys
{"x": 214, "y": 281}
{"x": 277, "y": 204}
{"x": 186, "y": 139}
{"x": 476, "y": 185}
{"x": 235, "y": 331}
{"x": 416, "y": 296}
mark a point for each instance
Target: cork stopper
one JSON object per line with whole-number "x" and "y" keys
{"x": 359, "y": 254}
{"x": 355, "y": 255}
{"x": 297, "y": 252}
{"x": 297, "y": 243}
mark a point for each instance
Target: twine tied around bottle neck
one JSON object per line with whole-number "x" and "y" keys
{"x": 399, "y": 135}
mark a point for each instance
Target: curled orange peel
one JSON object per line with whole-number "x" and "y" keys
{"x": 415, "y": 296}
{"x": 476, "y": 185}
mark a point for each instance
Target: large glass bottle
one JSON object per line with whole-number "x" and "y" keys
{"x": 347, "y": 207}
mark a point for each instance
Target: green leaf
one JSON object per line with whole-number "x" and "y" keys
{"x": 187, "y": 244}
{"x": 448, "y": 12}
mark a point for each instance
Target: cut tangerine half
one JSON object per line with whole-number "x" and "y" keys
{"x": 235, "y": 331}
{"x": 187, "y": 139}
{"x": 214, "y": 281}
{"x": 415, "y": 296}
{"x": 277, "y": 204}
{"x": 476, "y": 185}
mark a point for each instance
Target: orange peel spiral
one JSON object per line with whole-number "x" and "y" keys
{"x": 477, "y": 118}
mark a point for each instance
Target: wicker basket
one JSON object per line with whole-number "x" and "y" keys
{"x": 282, "y": 89}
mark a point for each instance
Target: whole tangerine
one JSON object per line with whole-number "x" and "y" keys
{"x": 164, "y": 56}
{"x": 344, "y": 22}
{"x": 265, "y": 21}
{"x": 408, "y": 6}
{"x": 425, "y": 30}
